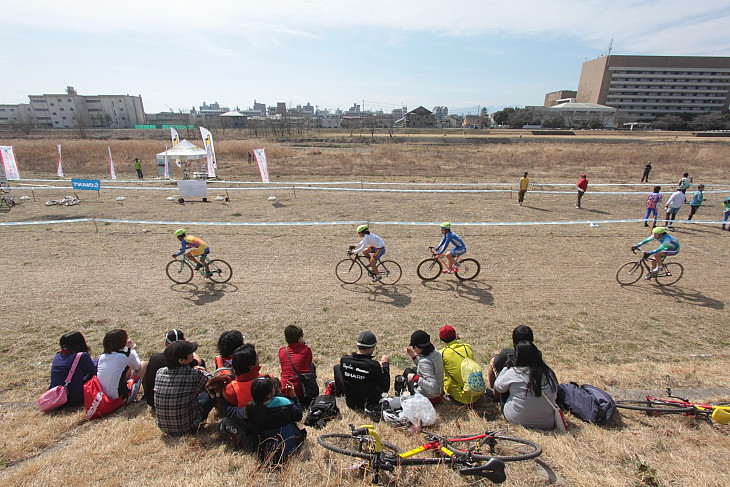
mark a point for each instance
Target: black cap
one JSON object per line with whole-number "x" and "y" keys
{"x": 367, "y": 339}
{"x": 420, "y": 339}
{"x": 173, "y": 336}
{"x": 178, "y": 350}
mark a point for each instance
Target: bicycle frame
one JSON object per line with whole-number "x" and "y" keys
{"x": 708, "y": 410}
{"x": 493, "y": 469}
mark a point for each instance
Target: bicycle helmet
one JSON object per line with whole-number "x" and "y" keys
{"x": 446, "y": 225}
{"x": 659, "y": 230}
{"x": 179, "y": 231}
{"x": 362, "y": 228}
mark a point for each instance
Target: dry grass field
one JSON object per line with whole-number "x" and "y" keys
{"x": 559, "y": 279}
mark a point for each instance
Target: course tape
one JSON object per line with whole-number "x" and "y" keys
{"x": 594, "y": 223}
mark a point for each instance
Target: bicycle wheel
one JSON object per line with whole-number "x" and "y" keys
{"x": 390, "y": 272}
{"x": 469, "y": 270}
{"x": 429, "y": 269}
{"x": 506, "y": 448}
{"x": 653, "y": 407}
{"x": 348, "y": 271}
{"x": 220, "y": 271}
{"x": 355, "y": 446}
{"x": 629, "y": 273}
{"x": 672, "y": 273}
{"x": 179, "y": 271}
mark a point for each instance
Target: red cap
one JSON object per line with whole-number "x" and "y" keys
{"x": 447, "y": 333}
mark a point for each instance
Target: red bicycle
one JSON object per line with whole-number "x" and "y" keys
{"x": 429, "y": 269}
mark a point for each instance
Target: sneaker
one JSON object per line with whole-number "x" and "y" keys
{"x": 377, "y": 278}
{"x": 577, "y": 207}
{"x": 447, "y": 271}
{"x": 198, "y": 267}
{"x": 646, "y": 224}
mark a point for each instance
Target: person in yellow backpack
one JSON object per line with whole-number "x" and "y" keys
{"x": 454, "y": 354}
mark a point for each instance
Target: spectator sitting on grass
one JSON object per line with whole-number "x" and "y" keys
{"x": 71, "y": 344}
{"x": 228, "y": 342}
{"x": 505, "y": 357}
{"x": 158, "y": 361}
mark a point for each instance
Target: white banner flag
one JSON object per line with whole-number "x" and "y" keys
{"x": 59, "y": 171}
{"x": 9, "y": 163}
{"x": 175, "y": 141}
{"x": 261, "y": 160}
{"x": 111, "y": 164}
{"x": 208, "y": 141}
{"x": 167, "y": 165}
{"x": 210, "y": 169}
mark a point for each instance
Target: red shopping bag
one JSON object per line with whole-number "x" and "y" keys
{"x": 96, "y": 403}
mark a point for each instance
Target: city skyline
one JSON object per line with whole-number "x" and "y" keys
{"x": 464, "y": 55}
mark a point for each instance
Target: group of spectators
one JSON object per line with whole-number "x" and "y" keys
{"x": 182, "y": 392}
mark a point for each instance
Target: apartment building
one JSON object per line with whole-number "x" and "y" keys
{"x": 645, "y": 87}
{"x": 561, "y": 96}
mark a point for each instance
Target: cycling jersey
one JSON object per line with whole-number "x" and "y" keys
{"x": 653, "y": 199}
{"x": 191, "y": 242}
{"x": 371, "y": 241}
{"x": 666, "y": 242}
{"x": 450, "y": 238}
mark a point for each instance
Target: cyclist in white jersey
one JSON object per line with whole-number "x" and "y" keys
{"x": 372, "y": 247}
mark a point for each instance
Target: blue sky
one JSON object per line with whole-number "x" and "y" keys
{"x": 462, "y": 54}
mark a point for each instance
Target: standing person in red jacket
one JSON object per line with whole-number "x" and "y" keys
{"x": 299, "y": 356}
{"x": 582, "y": 187}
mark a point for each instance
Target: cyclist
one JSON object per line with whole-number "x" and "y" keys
{"x": 197, "y": 246}
{"x": 450, "y": 237}
{"x": 668, "y": 245}
{"x": 372, "y": 247}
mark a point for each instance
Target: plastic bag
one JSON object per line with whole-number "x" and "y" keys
{"x": 418, "y": 410}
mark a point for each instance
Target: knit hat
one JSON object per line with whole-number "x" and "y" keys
{"x": 366, "y": 339}
{"x": 420, "y": 339}
{"x": 447, "y": 333}
{"x": 177, "y": 350}
{"x": 292, "y": 333}
{"x": 173, "y": 336}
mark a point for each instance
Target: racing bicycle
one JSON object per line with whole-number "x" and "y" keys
{"x": 482, "y": 455}
{"x": 429, "y": 269}
{"x": 350, "y": 270}
{"x": 181, "y": 271}
{"x": 632, "y": 271}
{"x": 655, "y": 406}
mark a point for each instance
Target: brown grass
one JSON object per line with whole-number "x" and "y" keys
{"x": 557, "y": 279}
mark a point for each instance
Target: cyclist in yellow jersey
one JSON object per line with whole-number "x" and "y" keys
{"x": 197, "y": 248}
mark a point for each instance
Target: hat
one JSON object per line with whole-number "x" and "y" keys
{"x": 292, "y": 333}
{"x": 173, "y": 336}
{"x": 583, "y": 175}
{"x": 366, "y": 339}
{"x": 420, "y": 339}
{"x": 178, "y": 350}
{"x": 447, "y": 333}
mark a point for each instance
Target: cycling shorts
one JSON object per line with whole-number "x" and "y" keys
{"x": 456, "y": 251}
{"x": 376, "y": 253}
{"x": 670, "y": 252}
{"x": 200, "y": 251}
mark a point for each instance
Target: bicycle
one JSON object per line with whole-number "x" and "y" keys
{"x": 429, "y": 269}
{"x": 6, "y": 200}
{"x": 349, "y": 270}
{"x": 632, "y": 271}
{"x": 655, "y": 406}
{"x": 181, "y": 271}
{"x": 482, "y": 455}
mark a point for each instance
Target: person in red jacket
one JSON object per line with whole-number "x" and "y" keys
{"x": 582, "y": 187}
{"x": 246, "y": 366}
{"x": 299, "y": 356}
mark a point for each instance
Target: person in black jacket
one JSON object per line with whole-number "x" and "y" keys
{"x": 360, "y": 377}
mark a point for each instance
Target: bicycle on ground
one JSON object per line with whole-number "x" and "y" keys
{"x": 6, "y": 200}
{"x": 65, "y": 201}
{"x": 482, "y": 455}
{"x": 655, "y": 406}
{"x": 429, "y": 269}
{"x": 350, "y": 270}
{"x": 631, "y": 272}
{"x": 181, "y": 271}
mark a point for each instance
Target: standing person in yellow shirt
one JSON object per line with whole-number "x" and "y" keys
{"x": 523, "y": 189}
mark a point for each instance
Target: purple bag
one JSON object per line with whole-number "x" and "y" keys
{"x": 55, "y": 397}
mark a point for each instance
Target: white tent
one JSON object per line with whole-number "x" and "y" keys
{"x": 184, "y": 150}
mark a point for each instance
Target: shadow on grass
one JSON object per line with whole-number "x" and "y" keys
{"x": 690, "y": 296}
{"x": 210, "y": 292}
{"x": 394, "y": 295}
{"x": 476, "y": 291}
{"x": 536, "y": 208}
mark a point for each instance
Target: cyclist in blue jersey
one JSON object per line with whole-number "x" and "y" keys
{"x": 668, "y": 245}
{"x": 450, "y": 238}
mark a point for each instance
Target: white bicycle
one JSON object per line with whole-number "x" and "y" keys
{"x": 65, "y": 201}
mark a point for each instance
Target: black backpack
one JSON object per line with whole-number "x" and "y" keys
{"x": 587, "y": 402}
{"x": 323, "y": 408}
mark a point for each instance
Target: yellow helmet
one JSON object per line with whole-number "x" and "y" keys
{"x": 362, "y": 228}
{"x": 446, "y": 225}
{"x": 659, "y": 230}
